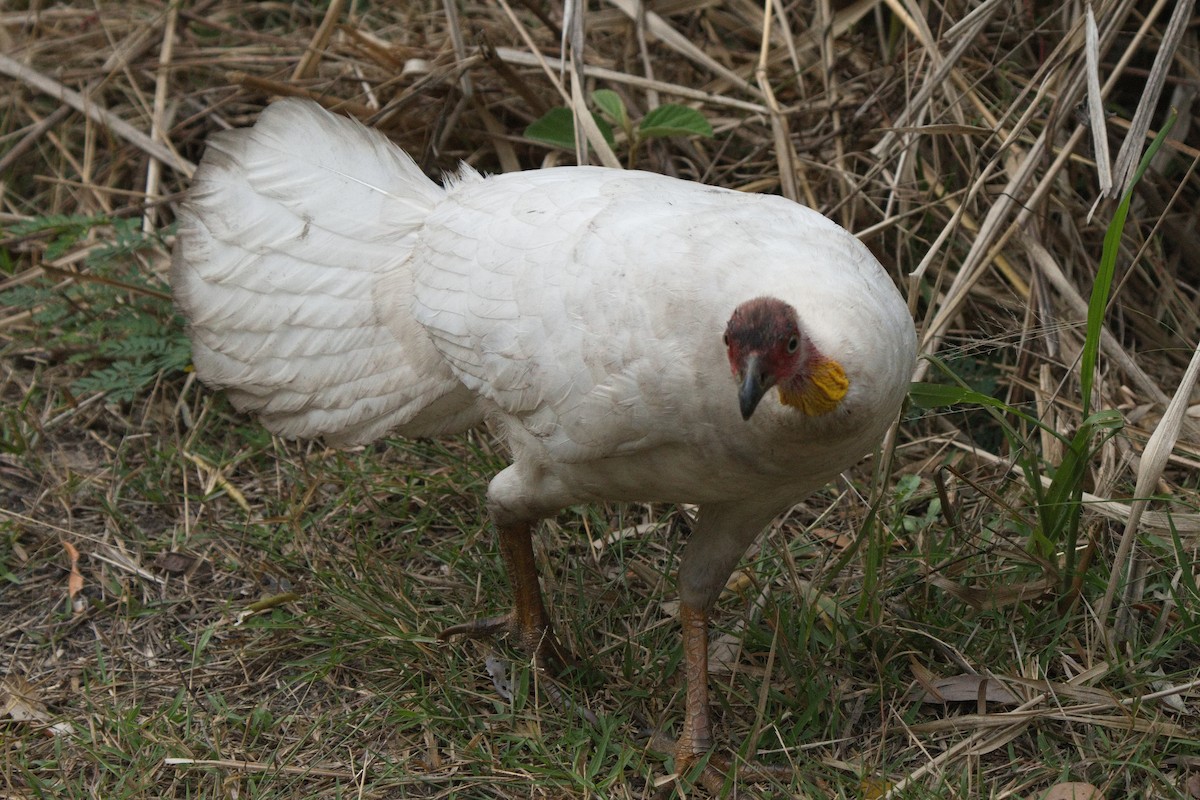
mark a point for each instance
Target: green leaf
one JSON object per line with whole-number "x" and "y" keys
{"x": 557, "y": 128}
{"x": 1102, "y": 288}
{"x": 1187, "y": 596}
{"x": 612, "y": 107}
{"x": 1060, "y": 508}
{"x": 938, "y": 395}
{"x": 1097, "y": 306}
{"x": 674, "y": 120}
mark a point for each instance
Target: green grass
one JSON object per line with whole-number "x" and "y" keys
{"x": 347, "y": 685}
{"x": 346, "y": 688}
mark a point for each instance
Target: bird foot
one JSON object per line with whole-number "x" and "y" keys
{"x": 548, "y": 655}
{"x": 718, "y": 768}
{"x": 538, "y": 640}
{"x": 711, "y": 775}
{"x": 694, "y": 765}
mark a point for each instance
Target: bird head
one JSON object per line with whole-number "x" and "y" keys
{"x": 767, "y": 346}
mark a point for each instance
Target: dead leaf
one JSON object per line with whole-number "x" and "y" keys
{"x": 177, "y": 564}
{"x": 966, "y": 689}
{"x": 174, "y": 563}
{"x": 19, "y": 701}
{"x": 433, "y": 756}
{"x": 926, "y": 678}
{"x": 645, "y": 573}
{"x": 874, "y": 788}
{"x": 739, "y": 582}
{"x": 1171, "y": 700}
{"x": 1193, "y": 785}
{"x": 994, "y": 597}
{"x": 498, "y": 671}
{"x": 723, "y": 653}
{"x": 75, "y": 579}
{"x": 829, "y": 536}
{"x": 1070, "y": 791}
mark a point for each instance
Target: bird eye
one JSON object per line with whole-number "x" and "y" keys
{"x": 793, "y": 344}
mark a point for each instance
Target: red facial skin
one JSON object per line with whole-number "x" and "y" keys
{"x": 765, "y": 347}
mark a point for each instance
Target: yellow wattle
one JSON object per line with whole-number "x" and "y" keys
{"x": 821, "y": 393}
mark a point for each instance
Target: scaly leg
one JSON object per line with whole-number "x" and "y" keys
{"x": 528, "y": 622}
{"x": 697, "y": 728}
{"x": 697, "y": 731}
{"x": 720, "y": 537}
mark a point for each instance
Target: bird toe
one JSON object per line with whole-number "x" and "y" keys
{"x": 538, "y": 640}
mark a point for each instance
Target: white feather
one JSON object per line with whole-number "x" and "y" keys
{"x": 292, "y": 269}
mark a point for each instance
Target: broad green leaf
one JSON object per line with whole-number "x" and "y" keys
{"x": 557, "y": 128}
{"x": 612, "y": 106}
{"x": 674, "y": 120}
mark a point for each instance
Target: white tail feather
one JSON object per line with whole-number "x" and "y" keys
{"x": 291, "y": 266}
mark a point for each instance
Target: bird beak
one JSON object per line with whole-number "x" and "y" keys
{"x": 752, "y": 387}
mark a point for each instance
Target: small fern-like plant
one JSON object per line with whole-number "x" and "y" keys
{"x": 113, "y": 318}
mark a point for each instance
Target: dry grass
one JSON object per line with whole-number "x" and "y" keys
{"x": 190, "y": 609}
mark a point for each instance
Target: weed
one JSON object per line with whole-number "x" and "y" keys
{"x": 114, "y": 318}
{"x": 557, "y": 126}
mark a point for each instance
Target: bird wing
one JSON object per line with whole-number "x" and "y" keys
{"x": 576, "y": 300}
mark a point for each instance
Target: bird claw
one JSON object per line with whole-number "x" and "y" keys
{"x": 696, "y": 765}
{"x": 536, "y": 640}
{"x": 718, "y": 772}
{"x": 711, "y": 775}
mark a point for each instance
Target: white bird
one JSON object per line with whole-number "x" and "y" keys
{"x": 631, "y": 337}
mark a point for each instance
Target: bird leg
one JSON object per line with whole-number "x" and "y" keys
{"x": 697, "y": 731}
{"x": 528, "y": 622}
{"x": 697, "y": 728}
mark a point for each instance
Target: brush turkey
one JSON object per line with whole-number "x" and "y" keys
{"x": 631, "y": 337}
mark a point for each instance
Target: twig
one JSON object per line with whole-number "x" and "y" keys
{"x": 307, "y": 66}
{"x": 659, "y": 28}
{"x": 523, "y": 59}
{"x": 283, "y": 89}
{"x": 47, "y": 85}
{"x": 31, "y": 137}
{"x": 162, "y": 82}
{"x": 257, "y": 766}
{"x": 784, "y": 154}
